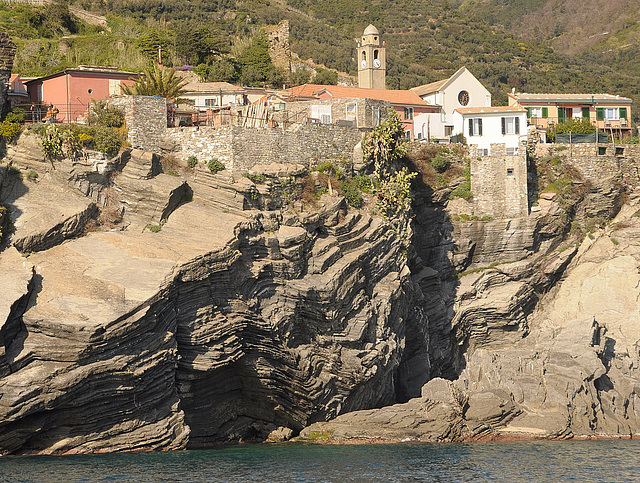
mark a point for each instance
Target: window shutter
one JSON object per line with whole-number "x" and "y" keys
{"x": 517, "y": 125}
{"x": 479, "y": 127}
{"x": 585, "y": 113}
{"x": 528, "y": 109}
{"x": 470, "y": 127}
{"x": 503, "y": 126}
{"x": 545, "y": 112}
{"x": 600, "y": 114}
{"x": 623, "y": 113}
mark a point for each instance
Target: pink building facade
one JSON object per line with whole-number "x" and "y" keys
{"x": 72, "y": 90}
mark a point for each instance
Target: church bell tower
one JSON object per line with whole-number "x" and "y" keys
{"x": 372, "y": 61}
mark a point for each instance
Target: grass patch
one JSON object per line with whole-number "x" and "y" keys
{"x": 255, "y": 178}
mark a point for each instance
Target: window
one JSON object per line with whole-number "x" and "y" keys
{"x": 408, "y": 113}
{"x": 611, "y": 113}
{"x": 210, "y": 102}
{"x": 585, "y": 113}
{"x": 509, "y": 171}
{"x": 376, "y": 116}
{"x": 539, "y": 112}
{"x": 483, "y": 152}
{"x": 510, "y": 125}
{"x": 321, "y": 113}
{"x": 407, "y": 135}
{"x": 576, "y": 113}
{"x": 512, "y": 152}
{"x": 475, "y": 127}
{"x": 448, "y": 130}
{"x": 463, "y": 98}
{"x": 351, "y": 111}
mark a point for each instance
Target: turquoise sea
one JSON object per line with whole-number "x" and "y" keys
{"x": 583, "y": 461}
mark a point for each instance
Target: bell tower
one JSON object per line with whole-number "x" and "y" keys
{"x": 372, "y": 61}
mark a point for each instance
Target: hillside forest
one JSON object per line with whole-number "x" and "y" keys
{"x": 529, "y": 45}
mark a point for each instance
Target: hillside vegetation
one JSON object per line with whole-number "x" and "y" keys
{"x": 426, "y": 40}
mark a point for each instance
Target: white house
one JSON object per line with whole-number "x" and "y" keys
{"x": 462, "y": 89}
{"x": 207, "y": 95}
{"x": 484, "y": 126}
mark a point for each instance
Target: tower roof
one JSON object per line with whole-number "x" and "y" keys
{"x": 371, "y": 30}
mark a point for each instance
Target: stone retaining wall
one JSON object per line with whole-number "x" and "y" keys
{"x": 242, "y": 148}
{"x": 599, "y": 160}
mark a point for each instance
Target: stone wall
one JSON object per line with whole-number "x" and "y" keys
{"x": 146, "y": 120}
{"x": 7, "y": 53}
{"x": 596, "y": 161}
{"x": 242, "y": 148}
{"x": 499, "y": 183}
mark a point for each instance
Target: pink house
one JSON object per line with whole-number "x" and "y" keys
{"x": 72, "y": 90}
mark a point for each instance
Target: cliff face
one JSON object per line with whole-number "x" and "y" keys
{"x": 223, "y": 325}
{"x": 548, "y": 343}
{"x": 162, "y": 312}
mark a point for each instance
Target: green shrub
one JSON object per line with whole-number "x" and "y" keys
{"x": 107, "y": 141}
{"x": 366, "y": 184}
{"x": 463, "y": 190}
{"x": 351, "y": 193}
{"x": 107, "y": 116}
{"x": 32, "y": 175}
{"x": 9, "y": 130}
{"x": 214, "y": 165}
{"x": 440, "y": 163}
{"x": 255, "y": 178}
{"x": 154, "y": 228}
{"x": 16, "y": 115}
{"x": 192, "y": 161}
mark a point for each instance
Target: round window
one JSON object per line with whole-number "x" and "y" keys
{"x": 90, "y": 91}
{"x": 463, "y": 98}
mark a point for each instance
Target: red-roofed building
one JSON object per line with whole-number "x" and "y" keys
{"x": 406, "y": 103}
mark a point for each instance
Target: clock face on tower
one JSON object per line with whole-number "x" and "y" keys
{"x": 363, "y": 63}
{"x": 376, "y": 63}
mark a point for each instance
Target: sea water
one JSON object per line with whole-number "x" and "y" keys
{"x": 537, "y": 461}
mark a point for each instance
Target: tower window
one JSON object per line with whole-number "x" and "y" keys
{"x": 364, "y": 55}
{"x": 375, "y": 54}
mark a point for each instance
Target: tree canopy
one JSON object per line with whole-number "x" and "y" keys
{"x": 157, "y": 81}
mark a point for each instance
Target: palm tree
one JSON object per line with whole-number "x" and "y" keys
{"x": 157, "y": 81}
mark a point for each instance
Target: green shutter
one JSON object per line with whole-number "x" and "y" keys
{"x": 545, "y": 112}
{"x": 528, "y": 109}
{"x": 600, "y": 114}
{"x": 561, "y": 114}
{"x": 503, "y": 126}
{"x": 470, "y": 127}
{"x": 585, "y": 113}
{"x": 623, "y": 113}
{"x": 480, "y": 127}
{"x": 517, "y": 125}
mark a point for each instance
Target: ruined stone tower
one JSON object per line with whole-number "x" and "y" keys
{"x": 372, "y": 61}
{"x": 7, "y": 53}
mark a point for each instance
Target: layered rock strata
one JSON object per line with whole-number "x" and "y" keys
{"x": 218, "y": 326}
